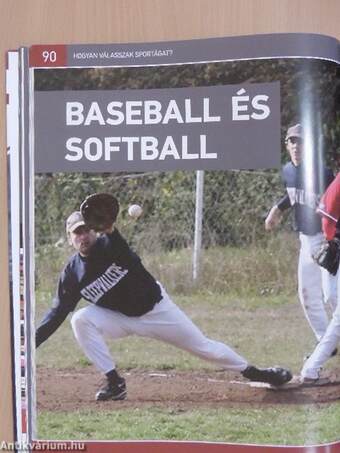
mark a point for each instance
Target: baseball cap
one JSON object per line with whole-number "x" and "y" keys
{"x": 294, "y": 131}
{"x": 74, "y": 221}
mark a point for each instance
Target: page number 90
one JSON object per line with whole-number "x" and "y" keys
{"x": 49, "y": 56}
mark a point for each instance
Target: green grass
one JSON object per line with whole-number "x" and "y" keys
{"x": 285, "y": 425}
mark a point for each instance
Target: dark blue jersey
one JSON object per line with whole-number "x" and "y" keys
{"x": 112, "y": 276}
{"x": 304, "y": 191}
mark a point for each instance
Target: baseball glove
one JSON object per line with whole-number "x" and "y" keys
{"x": 100, "y": 211}
{"x": 328, "y": 256}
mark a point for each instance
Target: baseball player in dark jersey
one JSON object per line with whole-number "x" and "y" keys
{"x": 330, "y": 210}
{"x": 125, "y": 299}
{"x": 303, "y": 192}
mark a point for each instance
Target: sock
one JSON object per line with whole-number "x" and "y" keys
{"x": 113, "y": 376}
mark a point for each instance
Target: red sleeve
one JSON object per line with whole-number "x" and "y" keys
{"x": 330, "y": 208}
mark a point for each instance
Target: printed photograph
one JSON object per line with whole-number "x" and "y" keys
{"x": 190, "y": 304}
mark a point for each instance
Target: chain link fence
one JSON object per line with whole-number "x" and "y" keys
{"x": 235, "y": 204}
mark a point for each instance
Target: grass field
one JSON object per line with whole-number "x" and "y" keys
{"x": 257, "y": 314}
{"x": 305, "y": 425}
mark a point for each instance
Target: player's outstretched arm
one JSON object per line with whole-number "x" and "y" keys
{"x": 273, "y": 218}
{"x": 49, "y": 324}
{"x": 64, "y": 302}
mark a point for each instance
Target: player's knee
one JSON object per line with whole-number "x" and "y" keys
{"x": 79, "y": 319}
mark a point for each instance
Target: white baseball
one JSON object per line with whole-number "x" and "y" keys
{"x": 135, "y": 211}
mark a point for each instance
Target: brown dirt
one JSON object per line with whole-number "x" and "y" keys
{"x": 73, "y": 389}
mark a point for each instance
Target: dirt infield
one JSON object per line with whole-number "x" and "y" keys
{"x": 74, "y": 389}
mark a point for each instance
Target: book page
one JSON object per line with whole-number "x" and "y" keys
{"x": 198, "y": 141}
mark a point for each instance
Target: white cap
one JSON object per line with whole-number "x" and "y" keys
{"x": 74, "y": 221}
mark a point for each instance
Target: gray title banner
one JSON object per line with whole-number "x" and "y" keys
{"x": 208, "y": 128}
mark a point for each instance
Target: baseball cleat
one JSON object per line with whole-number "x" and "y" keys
{"x": 275, "y": 376}
{"x": 112, "y": 391}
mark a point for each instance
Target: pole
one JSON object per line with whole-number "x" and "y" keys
{"x": 198, "y": 223}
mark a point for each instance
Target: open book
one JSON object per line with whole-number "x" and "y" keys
{"x": 218, "y": 152}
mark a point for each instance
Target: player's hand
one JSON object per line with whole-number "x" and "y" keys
{"x": 273, "y": 218}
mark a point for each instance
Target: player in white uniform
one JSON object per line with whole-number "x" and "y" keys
{"x": 124, "y": 300}
{"x": 315, "y": 285}
{"x": 331, "y": 230}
